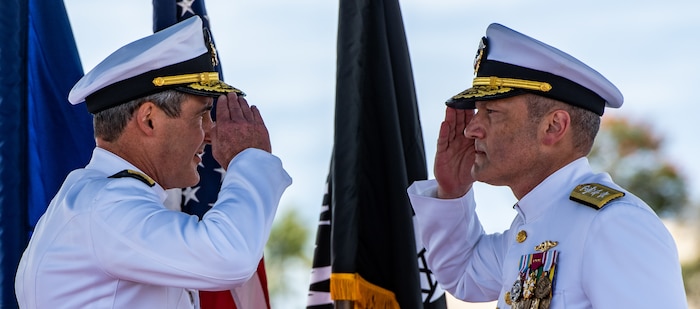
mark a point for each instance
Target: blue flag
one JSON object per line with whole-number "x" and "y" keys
{"x": 60, "y": 135}
{"x": 42, "y": 136}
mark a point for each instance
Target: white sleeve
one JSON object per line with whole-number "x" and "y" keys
{"x": 173, "y": 199}
{"x": 631, "y": 261}
{"x": 136, "y": 238}
{"x": 465, "y": 260}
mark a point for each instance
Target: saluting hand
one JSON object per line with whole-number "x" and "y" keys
{"x": 238, "y": 127}
{"x": 455, "y": 155}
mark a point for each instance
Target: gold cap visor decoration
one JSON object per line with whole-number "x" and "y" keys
{"x": 509, "y": 63}
{"x": 181, "y": 57}
{"x": 489, "y": 88}
{"x": 204, "y": 84}
{"x": 212, "y": 89}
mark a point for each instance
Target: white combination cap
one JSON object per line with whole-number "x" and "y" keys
{"x": 179, "y": 57}
{"x": 509, "y": 63}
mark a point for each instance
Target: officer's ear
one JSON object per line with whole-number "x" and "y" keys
{"x": 556, "y": 123}
{"x": 144, "y": 116}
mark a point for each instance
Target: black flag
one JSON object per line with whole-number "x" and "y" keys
{"x": 366, "y": 249}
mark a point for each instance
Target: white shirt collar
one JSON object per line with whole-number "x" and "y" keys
{"x": 110, "y": 164}
{"x": 553, "y": 189}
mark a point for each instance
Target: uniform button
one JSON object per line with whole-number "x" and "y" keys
{"x": 522, "y": 235}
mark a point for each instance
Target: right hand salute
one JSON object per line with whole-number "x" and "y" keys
{"x": 238, "y": 127}
{"x": 455, "y": 155}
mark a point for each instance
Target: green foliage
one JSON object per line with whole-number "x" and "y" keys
{"x": 633, "y": 155}
{"x": 288, "y": 237}
{"x": 286, "y": 251}
{"x": 691, "y": 278}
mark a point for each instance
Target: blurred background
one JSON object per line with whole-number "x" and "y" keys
{"x": 282, "y": 54}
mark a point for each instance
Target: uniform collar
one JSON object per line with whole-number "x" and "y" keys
{"x": 109, "y": 163}
{"x": 552, "y": 190}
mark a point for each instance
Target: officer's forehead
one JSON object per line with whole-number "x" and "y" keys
{"x": 503, "y": 102}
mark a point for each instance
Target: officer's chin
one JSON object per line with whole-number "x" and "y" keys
{"x": 185, "y": 182}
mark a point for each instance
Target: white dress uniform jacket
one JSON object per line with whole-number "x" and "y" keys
{"x": 619, "y": 256}
{"x": 110, "y": 243}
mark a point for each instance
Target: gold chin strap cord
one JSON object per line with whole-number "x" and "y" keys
{"x": 511, "y": 82}
{"x": 205, "y": 77}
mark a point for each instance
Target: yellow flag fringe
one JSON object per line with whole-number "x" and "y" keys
{"x": 365, "y": 295}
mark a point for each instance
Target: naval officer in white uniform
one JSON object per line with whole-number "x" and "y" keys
{"x": 106, "y": 240}
{"x": 579, "y": 240}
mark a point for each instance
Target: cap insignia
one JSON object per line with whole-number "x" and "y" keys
{"x": 594, "y": 195}
{"x": 212, "y": 48}
{"x": 480, "y": 54}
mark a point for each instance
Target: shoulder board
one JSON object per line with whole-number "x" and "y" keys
{"x": 594, "y": 195}
{"x": 137, "y": 175}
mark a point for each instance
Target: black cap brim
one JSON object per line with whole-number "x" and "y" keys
{"x": 210, "y": 89}
{"x": 467, "y": 99}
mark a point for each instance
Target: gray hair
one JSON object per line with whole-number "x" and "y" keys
{"x": 110, "y": 123}
{"x": 585, "y": 123}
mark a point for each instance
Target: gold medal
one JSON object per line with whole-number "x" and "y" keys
{"x": 543, "y": 287}
{"x": 535, "y": 303}
{"x": 533, "y": 289}
{"x": 529, "y": 286}
{"x": 509, "y": 302}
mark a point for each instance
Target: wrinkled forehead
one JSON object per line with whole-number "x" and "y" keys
{"x": 197, "y": 102}
{"x": 509, "y": 102}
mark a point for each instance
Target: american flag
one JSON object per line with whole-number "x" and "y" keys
{"x": 199, "y": 199}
